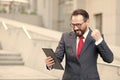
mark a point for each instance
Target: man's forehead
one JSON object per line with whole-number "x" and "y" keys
{"x": 77, "y": 18}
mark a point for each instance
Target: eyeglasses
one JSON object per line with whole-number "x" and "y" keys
{"x": 78, "y": 24}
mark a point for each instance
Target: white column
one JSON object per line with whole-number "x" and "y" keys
{"x": 51, "y": 13}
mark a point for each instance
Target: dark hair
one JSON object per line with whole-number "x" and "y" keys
{"x": 81, "y": 12}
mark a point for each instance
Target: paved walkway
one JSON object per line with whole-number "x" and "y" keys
{"x": 22, "y": 73}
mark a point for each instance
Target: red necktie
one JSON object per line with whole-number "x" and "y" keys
{"x": 80, "y": 45}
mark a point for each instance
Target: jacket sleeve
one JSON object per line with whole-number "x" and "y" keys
{"x": 60, "y": 50}
{"x": 105, "y": 52}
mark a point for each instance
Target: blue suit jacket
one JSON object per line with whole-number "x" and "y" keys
{"x": 85, "y": 67}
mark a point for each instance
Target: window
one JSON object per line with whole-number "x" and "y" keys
{"x": 98, "y": 21}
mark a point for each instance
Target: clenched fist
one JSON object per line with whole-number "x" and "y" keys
{"x": 96, "y": 34}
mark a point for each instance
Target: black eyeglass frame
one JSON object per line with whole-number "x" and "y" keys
{"x": 78, "y": 24}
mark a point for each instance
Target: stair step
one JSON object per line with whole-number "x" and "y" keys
{"x": 8, "y": 52}
{"x": 10, "y": 59}
{"x": 1, "y": 54}
{"x": 11, "y": 63}
{"x": 10, "y": 56}
{"x": 17, "y": 64}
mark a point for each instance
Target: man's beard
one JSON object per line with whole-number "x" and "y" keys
{"x": 78, "y": 34}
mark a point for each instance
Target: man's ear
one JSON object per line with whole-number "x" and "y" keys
{"x": 88, "y": 21}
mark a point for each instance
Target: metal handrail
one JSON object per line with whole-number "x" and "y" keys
{"x": 23, "y": 28}
{"x": 26, "y": 32}
{"x": 4, "y": 25}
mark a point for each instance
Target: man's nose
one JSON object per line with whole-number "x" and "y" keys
{"x": 75, "y": 27}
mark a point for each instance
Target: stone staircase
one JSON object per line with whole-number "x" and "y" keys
{"x": 10, "y": 58}
{"x": 12, "y": 68}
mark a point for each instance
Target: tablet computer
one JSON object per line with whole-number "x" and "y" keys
{"x": 50, "y": 52}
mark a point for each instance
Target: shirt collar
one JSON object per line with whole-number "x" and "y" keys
{"x": 86, "y": 33}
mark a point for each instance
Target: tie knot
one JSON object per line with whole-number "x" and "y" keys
{"x": 82, "y": 37}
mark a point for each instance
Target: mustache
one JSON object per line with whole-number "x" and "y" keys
{"x": 78, "y": 30}
{"x": 82, "y": 31}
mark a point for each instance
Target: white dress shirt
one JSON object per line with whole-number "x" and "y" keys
{"x": 85, "y": 35}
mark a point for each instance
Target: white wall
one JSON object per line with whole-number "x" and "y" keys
{"x": 108, "y": 9}
{"x": 118, "y": 22}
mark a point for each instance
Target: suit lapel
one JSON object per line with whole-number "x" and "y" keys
{"x": 88, "y": 40}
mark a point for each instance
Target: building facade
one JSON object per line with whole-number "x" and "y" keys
{"x": 104, "y": 15}
{"x": 55, "y": 14}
